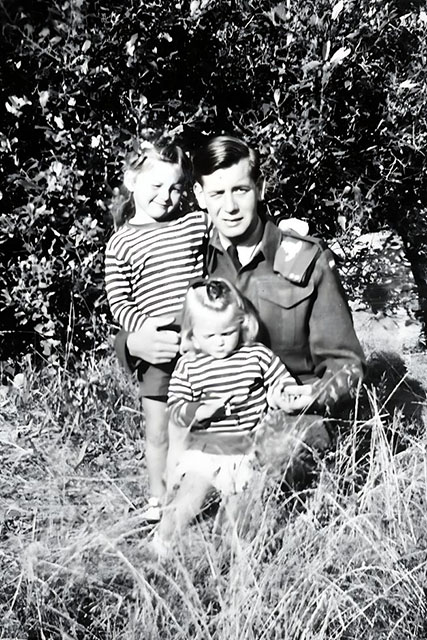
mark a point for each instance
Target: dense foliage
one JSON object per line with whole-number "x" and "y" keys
{"x": 332, "y": 93}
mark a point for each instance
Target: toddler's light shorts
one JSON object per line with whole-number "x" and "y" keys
{"x": 228, "y": 474}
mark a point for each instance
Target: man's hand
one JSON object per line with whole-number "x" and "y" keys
{"x": 296, "y": 397}
{"x": 154, "y": 343}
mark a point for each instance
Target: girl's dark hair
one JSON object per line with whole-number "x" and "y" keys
{"x": 223, "y": 152}
{"x": 123, "y": 207}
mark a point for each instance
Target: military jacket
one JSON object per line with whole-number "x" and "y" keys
{"x": 293, "y": 283}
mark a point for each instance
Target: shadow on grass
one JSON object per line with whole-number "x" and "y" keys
{"x": 397, "y": 393}
{"x": 390, "y": 397}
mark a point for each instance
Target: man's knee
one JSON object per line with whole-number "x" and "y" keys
{"x": 290, "y": 446}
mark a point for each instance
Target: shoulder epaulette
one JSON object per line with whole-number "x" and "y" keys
{"x": 296, "y": 256}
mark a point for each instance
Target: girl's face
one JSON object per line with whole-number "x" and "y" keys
{"x": 156, "y": 189}
{"x": 216, "y": 333}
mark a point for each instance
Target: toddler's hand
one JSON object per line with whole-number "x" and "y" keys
{"x": 212, "y": 408}
{"x": 294, "y": 398}
{"x": 221, "y": 406}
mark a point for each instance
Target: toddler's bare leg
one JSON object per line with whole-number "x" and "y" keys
{"x": 231, "y": 515}
{"x": 156, "y": 433}
{"x": 186, "y": 503}
{"x": 178, "y": 438}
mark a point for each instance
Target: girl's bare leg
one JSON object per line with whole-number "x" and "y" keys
{"x": 156, "y": 434}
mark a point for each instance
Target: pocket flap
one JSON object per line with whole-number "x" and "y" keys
{"x": 283, "y": 294}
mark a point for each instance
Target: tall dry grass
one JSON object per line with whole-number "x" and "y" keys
{"x": 345, "y": 559}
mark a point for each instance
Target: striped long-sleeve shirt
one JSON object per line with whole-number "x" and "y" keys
{"x": 148, "y": 267}
{"x": 199, "y": 377}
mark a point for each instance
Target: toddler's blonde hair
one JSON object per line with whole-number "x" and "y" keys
{"x": 217, "y": 294}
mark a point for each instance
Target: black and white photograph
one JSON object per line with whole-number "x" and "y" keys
{"x": 213, "y": 320}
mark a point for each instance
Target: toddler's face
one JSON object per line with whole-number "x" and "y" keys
{"x": 157, "y": 190}
{"x": 216, "y": 333}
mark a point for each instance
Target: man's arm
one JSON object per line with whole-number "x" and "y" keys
{"x": 336, "y": 351}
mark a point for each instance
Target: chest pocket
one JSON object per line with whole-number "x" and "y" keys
{"x": 284, "y": 309}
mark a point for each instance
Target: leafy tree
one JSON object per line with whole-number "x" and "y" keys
{"x": 332, "y": 93}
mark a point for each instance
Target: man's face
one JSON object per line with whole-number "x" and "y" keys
{"x": 230, "y": 196}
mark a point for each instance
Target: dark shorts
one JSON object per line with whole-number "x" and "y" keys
{"x": 154, "y": 379}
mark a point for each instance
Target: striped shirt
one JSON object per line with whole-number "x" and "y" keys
{"x": 250, "y": 371}
{"x": 148, "y": 267}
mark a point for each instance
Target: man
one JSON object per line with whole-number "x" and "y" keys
{"x": 290, "y": 279}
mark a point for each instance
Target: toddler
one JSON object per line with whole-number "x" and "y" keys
{"x": 150, "y": 261}
{"x": 219, "y": 391}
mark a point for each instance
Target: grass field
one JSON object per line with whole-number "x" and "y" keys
{"x": 345, "y": 559}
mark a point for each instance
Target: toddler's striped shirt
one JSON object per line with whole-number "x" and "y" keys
{"x": 250, "y": 371}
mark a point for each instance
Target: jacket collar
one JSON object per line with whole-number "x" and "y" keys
{"x": 269, "y": 242}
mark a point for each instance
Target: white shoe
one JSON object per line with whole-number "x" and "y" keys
{"x": 162, "y": 548}
{"x": 152, "y": 510}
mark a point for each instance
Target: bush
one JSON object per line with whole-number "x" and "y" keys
{"x": 332, "y": 95}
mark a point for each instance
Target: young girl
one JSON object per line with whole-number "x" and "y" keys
{"x": 150, "y": 261}
{"x": 218, "y": 393}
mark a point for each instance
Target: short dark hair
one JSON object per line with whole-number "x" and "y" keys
{"x": 222, "y": 152}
